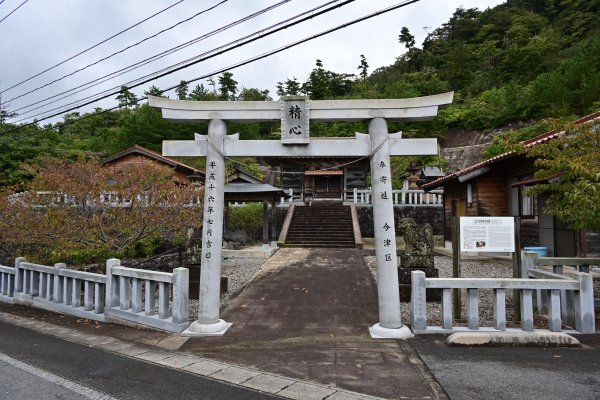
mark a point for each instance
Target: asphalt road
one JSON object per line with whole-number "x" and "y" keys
{"x": 36, "y": 366}
{"x": 514, "y": 372}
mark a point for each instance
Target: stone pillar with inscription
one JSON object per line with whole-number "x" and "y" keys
{"x": 209, "y": 323}
{"x": 390, "y": 324}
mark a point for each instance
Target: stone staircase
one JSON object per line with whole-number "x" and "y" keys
{"x": 321, "y": 225}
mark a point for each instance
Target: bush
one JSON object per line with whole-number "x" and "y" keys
{"x": 247, "y": 218}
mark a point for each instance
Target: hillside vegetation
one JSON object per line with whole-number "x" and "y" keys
{"x": 525, "y": 60}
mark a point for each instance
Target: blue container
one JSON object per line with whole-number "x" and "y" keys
{"x": 542, "y": 251}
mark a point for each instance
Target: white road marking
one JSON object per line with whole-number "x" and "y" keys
{"x": 75, "y": 387}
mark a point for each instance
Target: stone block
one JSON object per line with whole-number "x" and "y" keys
{"x": 404, "y": 278}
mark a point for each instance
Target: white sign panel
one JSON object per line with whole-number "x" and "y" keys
{"x": 487, "y": 234}
{"x": 294, "y": 120}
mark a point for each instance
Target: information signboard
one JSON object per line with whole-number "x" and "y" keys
{"x": 487, "y": 234}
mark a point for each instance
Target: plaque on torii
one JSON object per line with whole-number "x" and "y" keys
{"x": 295, "y": 113}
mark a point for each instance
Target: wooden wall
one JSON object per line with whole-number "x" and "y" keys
{"x": 141, "y": 159}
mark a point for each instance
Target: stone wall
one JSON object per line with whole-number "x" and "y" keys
{"x": 433, "y": 216}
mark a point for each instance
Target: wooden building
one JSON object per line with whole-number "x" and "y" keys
{"x": 496, "y": 187}
{"x": 141, "y": 155}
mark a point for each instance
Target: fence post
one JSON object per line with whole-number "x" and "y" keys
{"x": 19, "y": 275}
{"x": 180, "y": 295}
{"x": 112, "y": 283}
{"x": 584, "y": 304}
{"x": 418, "y": 311}
{"x": 355, "y": 195}
{"x": 528, "y": 262}
{"x": 58, "y": 289}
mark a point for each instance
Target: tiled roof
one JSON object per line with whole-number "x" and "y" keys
{"x": 543, "y": 138}
{"x": 152, "y": 154}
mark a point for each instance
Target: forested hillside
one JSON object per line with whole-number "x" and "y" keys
{"x": 524, "y": 60}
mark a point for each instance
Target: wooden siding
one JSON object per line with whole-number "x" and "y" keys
{"x": 490, "y": 191}
{"x": 132, "y": 159}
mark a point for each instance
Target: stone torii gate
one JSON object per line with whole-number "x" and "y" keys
{"x": 295, "y": 113}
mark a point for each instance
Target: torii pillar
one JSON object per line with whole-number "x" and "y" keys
{"x": 378, "y": 145}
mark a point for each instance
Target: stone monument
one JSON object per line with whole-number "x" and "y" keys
{"x": 418, "y": 255}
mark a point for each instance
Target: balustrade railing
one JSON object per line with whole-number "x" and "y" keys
{"x": 157, "y": 299}
{"x": 581, "y": 288}
{"x": 400, "y": 197}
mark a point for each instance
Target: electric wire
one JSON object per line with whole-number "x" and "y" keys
{"x": 91, "y": 47}
{"x": 122, "y": 71}
{"x": 237, "y": 65}
{"x": 119, "y": 51}
{"x": 10, "y": 13}
{"x": 194, "y": 60}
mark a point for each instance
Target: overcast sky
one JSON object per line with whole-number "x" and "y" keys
{"x": 44, "y": 32}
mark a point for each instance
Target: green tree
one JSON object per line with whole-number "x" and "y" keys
{"x": 292, "y": 87}
{"x": 126, "y": 98}
{"x": 406, "y": 38}
{"x": 253, "y": 94}
{"x": 570, "y": 165}
{"x": 5, "y": 113}
{"x": 227, "y": 86}
{"x": 364, "y": 68}
{"x": 201, "y": 93}
{"x": 154, "y": 91}
{"x": 182, "y": 90}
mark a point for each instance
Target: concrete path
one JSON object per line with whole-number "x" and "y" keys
{"x": 307, "y": 316}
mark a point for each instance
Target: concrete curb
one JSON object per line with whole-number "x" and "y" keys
{"x": 246, "y": 377}
{"x": 524, "y": 339}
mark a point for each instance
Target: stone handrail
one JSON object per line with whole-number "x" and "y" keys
{"x": 123, "y": 294}
{"x": 581, "y": 287}
{"x": 131, "y": 295}
{"x": 530, "y": 263}
{"x": 7, "y": 284}
{"x": 402, "y": 197}
{"x": 60, "y": 290}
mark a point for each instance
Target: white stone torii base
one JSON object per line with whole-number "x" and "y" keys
{"x": 217, "y": 144}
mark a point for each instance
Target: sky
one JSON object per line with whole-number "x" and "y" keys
{"x": 42, "y": 33}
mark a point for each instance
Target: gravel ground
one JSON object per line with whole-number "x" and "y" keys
{"x": 489, "y": 268}
{"x": 240, "y": 272}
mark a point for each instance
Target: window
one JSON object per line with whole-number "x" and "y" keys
{"x": 528, "y": 203}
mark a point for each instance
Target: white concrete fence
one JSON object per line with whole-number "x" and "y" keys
{"x": 365, "y": 197}
{"x": 559, "y": 298}
{"x": 122, "y": 294}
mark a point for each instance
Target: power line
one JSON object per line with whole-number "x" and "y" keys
{"x": 182, "y": 65}
{"x": 153, "y": 58}
{"x": 236, "y": 65}
{"x": 91, "y": 47}
{"x": 219, "y": 50}
{"x": 10, "y": 13}
{"x": 2, "y": 1}
{"x": 121, "y": 51}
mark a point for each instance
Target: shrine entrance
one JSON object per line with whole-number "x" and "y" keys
{"x": 327, "y": 184}
{"x": 294, "y": 112}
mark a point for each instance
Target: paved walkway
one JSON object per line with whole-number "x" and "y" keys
{"x": 306, "y": 316}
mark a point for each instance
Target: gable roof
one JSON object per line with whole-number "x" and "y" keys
{"x": 482, "y": 167}
{"x": 151, "y": 154}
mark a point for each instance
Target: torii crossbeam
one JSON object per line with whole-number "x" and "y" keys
{"x": 295, "y": 112}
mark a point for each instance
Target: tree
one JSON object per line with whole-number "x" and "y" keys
{"x": 200, "y": 93}
{"x": 253, "y": 94}
{"x": 227, "y": 86}
{"x": 182, "y": 90}
{"x": 5, "y": 113}
{"x": 570, "y": 165}
{"x": 406, "y": 38}
{"x": 81, "y": 212}
{"x": 126, "y": 98}
{"x": 154, "y": 91}
{"x": 363, "y": 67}
{"x": 292, "y": 87}
{"x": 280, "y": 89}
